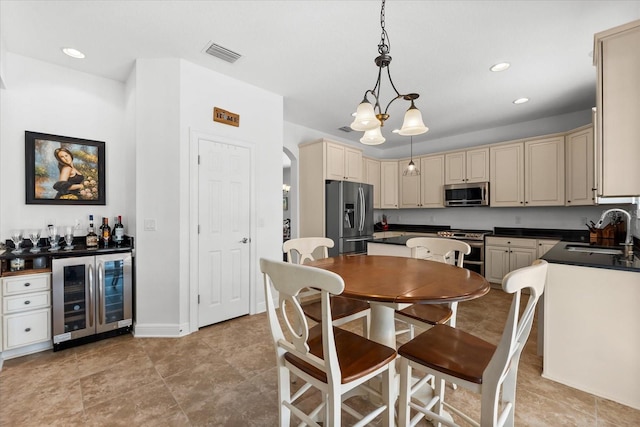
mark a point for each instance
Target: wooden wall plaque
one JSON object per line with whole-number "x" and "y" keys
{"x": 226, "y": 117}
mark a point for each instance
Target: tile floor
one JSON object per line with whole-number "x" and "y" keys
{"x": 224, "y": 375}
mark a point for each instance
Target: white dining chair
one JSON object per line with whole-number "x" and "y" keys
{"x": 332, "y": 360}
{"x": 448, "y": 251}
{"x": 453, "y": 355}
{"x": 343, "y": 309}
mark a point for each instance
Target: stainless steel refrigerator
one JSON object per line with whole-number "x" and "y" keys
{"x": 349, "y": 216}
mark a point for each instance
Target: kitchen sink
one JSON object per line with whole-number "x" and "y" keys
{"x": 594, "y": 249}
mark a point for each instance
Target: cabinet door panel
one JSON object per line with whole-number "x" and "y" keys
{"x": 544, "y": 181}
{"x": 432, "y": 171}
{"x": 27, "y": 328}
{"x": 507, "y": 175}
{"x": 579, "y": 168}
{"x": 352, "y": 165}
{"x": 389, "y": 185}
{"x": 409, "y": 187}
{"x": 335, "y": 162}
{"x": 520, "y": 257}
{"x": 455, "y": 171}
{"x": 477, "y": 165}
{"x": 496, "y": 263}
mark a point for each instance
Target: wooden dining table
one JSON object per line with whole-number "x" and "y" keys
{"x": 387, "y": 282}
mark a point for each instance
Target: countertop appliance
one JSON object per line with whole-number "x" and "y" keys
{"x": 468, "y": 194}
{"x": 92, "y": 298}
{"x": 474, "y": 238}
{"x": 349, "y": 216}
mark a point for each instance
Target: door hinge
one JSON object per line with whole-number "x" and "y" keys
{"x": 198, "y": 298}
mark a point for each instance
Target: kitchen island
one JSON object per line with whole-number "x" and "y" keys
{"x": 591, "y": 323}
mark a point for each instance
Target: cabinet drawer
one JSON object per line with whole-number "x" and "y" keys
{"x": 26, "y": 328}
{"x": 512, "y": 241}
{"x": 24, "y": 302}
{"x": 28, "y": 283}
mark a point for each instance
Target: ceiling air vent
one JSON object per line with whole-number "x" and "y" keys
{"x": 345, "y": 129}
{"x": 222, "y": 53}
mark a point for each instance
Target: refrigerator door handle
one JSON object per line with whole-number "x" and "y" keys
{"x": 358, "y": 239}
{"x": 100, "y": 293}
{"x": 91, "y": 284}
{"x": 362, "y": 208}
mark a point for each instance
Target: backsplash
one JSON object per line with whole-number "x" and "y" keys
{"x": 486, "y": 218}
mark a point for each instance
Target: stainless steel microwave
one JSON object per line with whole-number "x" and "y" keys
{"x": 469, "y": 194}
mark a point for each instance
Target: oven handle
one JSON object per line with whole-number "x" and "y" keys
{"x": 474, "y": 243}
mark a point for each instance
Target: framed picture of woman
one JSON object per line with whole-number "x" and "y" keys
{"x": 62, "y": 170}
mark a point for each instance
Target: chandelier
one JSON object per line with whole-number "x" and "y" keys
{"x": 370, "y": 118}
{"x": 411, "y": 169}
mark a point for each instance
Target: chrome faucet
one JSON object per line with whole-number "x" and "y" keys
{"x": 628, "y": 241}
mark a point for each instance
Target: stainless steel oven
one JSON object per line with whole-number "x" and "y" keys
{"x": 475, "y": 239}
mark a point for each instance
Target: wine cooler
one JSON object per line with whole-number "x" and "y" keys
{"x": 92, "y": 298}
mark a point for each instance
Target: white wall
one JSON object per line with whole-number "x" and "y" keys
{"x": 46, "y": 98}
{"x": 163, "y": 125}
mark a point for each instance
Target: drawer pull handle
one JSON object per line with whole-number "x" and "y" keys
{"x": 27, "y": 302}
{"x": 27, "y": 284}
{"x": 28, "y": 330}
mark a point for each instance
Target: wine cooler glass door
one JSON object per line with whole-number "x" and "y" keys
{"x": 73, "y": 306}
{"x": 114, "y": 291}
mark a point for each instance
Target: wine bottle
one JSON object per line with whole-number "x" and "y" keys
{"x": 105, "y": 232}
{"x": 118, "y": 231}
{"x": 92, "y": 238}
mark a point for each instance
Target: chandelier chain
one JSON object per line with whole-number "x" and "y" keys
{"x": 385, "y": 44}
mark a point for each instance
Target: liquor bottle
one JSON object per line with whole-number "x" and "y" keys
{"x": 92, "y": 238}
{"x": 118, "y": 231}
{"x": 105, "y": 232}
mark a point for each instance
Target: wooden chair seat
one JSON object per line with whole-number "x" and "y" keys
{"x": 433, "y": 314}
{"x": 357, "y": 355}
{"x": 451, "y": 351}
{"x": 341, "y": 307}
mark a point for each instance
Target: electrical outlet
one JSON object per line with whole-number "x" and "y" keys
{"x": 149, "y": 225}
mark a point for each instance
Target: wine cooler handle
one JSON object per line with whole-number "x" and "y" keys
{"x": 100, "y": 293}
{"x": 90, "y": 296}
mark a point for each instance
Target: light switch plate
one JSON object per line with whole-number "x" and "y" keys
{"x": 149, "y": 225}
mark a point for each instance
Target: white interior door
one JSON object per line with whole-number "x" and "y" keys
{"x": 224, "y": 226}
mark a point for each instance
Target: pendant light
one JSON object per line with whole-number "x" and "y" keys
{"x": 411, "y": 169}
{"x": 371, "y": 117}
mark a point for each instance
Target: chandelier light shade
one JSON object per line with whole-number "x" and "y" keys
{"x": 373, "y": 137}
{"x": 411, "y": 169}
{"x": 371, "y": 116}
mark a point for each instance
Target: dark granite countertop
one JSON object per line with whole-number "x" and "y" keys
{"x": 413, "y": 228}
{"x": 543, "y": 233}
{"x": 398, "y": 240}
{"x": 559, "y": 255}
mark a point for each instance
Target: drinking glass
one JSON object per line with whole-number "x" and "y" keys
{"x": 16, "y": 236}
{"x": 54, "y": 238}
{"x": 34, "y": 236}
{"x": 68, "y": 238}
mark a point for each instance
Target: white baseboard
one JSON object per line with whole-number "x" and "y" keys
{"x": 158, "y": 330}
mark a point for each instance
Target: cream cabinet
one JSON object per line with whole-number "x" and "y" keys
{"x": 371, "y": 175}
{"x": 579, "y": 182}
{"x": 616, "y": 55}
{"x": 319, "y": 161}
{"x": 529, "y": 173}
{"x": 388, "y": 185}
{"x": 26, "y": 313}
{"x": 544, "y": 245}
{"x": 467, "y": 166}
{"x": 343, "y": 163}
{"x": 424, "y": 190}
{"x": 544, "y": 172}
{"x": 505, "y": 254}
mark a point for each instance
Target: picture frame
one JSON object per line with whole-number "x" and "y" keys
{"x": 62, "y": 170}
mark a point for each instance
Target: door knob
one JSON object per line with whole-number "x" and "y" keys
{"x": 245, "y": 240}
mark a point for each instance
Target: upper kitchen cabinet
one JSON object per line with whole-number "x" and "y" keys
{"x": 321, "y": 160}
{"x": 424, "y": 190}
{"x": 579, "y": 167}
{"x": 343, "y": 163}
{"x": 529, "y": 173}
{"x": 506, "y": 183}
{"x": 371, "y": 175}
{"x": 467, "y": 166}
{"x": 616, "y": 55}
{"x": 389, "y": 185}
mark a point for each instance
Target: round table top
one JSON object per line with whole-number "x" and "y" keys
{"x": 404, "y": 280}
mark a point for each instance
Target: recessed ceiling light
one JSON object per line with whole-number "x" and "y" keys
{"x": 501, "y": 66}
{"x": 74, "y": 53}
{"x": 521, "y": 100}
